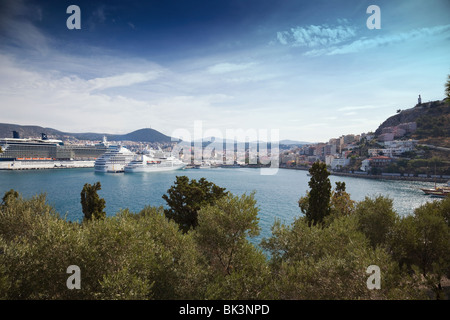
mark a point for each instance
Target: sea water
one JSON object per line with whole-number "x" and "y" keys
{"x": 276, "y": 195}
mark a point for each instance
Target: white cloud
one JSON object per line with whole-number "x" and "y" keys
{"x": 351, "y": 108}
{"x": 229, "y": 67}
{"x": 126, "y": 79}
{"x": 283, "y": 37}
{"x": 370, "y": 43}
{"x": 71, "y": 103}
{"x": 314, "y": 36}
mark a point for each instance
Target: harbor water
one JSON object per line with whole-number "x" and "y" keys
{"x": 277, "y": 195}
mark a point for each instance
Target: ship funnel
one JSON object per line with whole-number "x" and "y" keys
{"x": 16, "y": 135}
{"x": 44, "y": 136}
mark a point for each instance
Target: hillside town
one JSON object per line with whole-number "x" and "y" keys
{"x": 393, "y": 152}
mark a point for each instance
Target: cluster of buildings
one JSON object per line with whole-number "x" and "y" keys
{"x": 337, "y": 153}
{"x": 397, "y": 132}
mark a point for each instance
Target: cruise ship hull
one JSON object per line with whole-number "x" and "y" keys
{"x": 150, "y": 164}
{"x": 109, "y": 169}
{"x": 144, "y": 168}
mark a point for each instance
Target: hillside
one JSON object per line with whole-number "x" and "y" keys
{"x": 141, "y": 135}
{"x": 432, "y": 119}
{"x": 429, "y": 124}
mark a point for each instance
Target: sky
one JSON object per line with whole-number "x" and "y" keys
{"x": 311, "y": 69}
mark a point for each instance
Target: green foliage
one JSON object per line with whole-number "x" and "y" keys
{"x": 317, "y": 206}
{"x": 9, "y": 196}
{"x": 92, "y": 205}
{"x": 19, "y": 219}
{"x": 128, "y": 256}
{"x": 185, "y": 199}
{"x": 224, "y": 227}
{"x": 421, "y": 241}
{"x": 238, "y": 270}
{"x": 145, "y": 255}
{"x": 340, "y": 204}
{"x": 434, "y": 123}
{"x": 376, "y": 218}
{"x": 310, "y": 262}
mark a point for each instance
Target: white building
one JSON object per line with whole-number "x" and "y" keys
{"x": 365, "y": 165}
{"x": 337, "y": 163}
{"x": 394, "y": 148}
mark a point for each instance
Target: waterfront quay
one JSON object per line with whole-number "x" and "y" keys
{"x": 45, "y": 164}
{"x": 384, "y": 176}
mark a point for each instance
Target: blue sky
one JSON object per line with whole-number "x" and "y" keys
{"x": 310, "y": 69}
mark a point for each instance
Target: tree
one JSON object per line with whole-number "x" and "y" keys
{"x": 311, "y": 262}
{"x": 238, "y": 269}
{"x": 422, "y": 240}
{"x": 92, "y": 205}
{"x": 186, "y": 197}
{"x": 8, "y": 196}
{"x": 341, "y": 204}
{"x": 224, "y": 228}
{"x": 318, "y": 202}
{"x": 376, "y": 219}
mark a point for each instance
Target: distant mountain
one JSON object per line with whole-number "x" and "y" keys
{"x": 141, "y": 135}
{"x": 219, "y": 140}
{"x": 288, "y": 142}
{"x": 6, "y": 130}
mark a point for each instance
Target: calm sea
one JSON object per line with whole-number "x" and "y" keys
{"x": 276, "y": 195}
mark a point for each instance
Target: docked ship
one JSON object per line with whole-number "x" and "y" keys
{"x": 152, "y": 162}
{"x": 34, "y": 153}
{"x": 114, "y": 159}
{"x": 441, "y": 191}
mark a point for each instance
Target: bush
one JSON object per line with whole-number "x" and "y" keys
{"x": 138, "y": 256}
{"x": 309, "y": 262}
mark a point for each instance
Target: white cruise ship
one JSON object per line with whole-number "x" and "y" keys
{"x": 146, "y": 163}
{"x": 114, "y": 159}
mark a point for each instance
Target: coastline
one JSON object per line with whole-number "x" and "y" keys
{"x": 381, "y": 177}
{"x": 36, "y": 165}
{"x": 42, "y": 164}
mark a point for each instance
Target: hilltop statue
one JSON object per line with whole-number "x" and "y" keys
{"x": 419, "y": 100}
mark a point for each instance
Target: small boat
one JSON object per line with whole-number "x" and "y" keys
{"x": 205, "y": 165}
{"x": 437, "y": 190}
{"x": 440, "y": 194}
